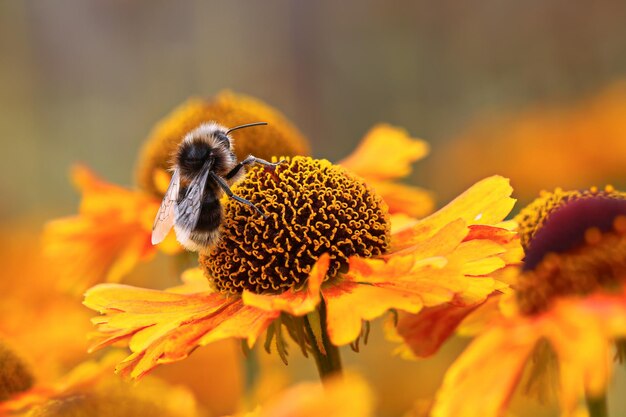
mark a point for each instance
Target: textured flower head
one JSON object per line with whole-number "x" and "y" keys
{"x": 312, "y": 207}
{"x": 575, "y": 243}
{"x": 570, "y": 307}
{"x": 332, "y": 260}
{"x": 15, "y": 376}
{"x": 279, "y": 137}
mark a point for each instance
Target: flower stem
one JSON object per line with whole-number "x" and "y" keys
{"x": 327, "y": 357}
{"x": 597, "y": 406}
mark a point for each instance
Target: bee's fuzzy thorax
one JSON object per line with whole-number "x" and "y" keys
{"x": 209, "y": 140}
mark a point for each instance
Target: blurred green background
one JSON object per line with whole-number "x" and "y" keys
{"x": 85, "y": 81}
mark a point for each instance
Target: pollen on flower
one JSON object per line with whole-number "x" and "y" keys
{"x": 312, "y": 208}
{"x": 279, "y": 137}
{"x": 574, "y": 242}
{"x": 14, "y": 374}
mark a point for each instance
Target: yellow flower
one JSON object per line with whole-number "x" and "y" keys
{"x": 571, "y": 145}
{"x": 111, "y": 233}
{"x": 112, "y": 230}
{"x": 570, "y": 293}
{"x": 326, "y": 258}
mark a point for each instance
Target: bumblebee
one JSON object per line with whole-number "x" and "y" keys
{"x": 205, "y": 166}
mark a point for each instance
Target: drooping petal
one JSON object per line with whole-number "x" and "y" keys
{"x": 399, "y": 151}
{"x": 425, "y": 332}
{"x": 162, "y": 327}
{"x": 108, "y": 237}
{"x": 292, "y": 301}
{"x": 482, "y": 380}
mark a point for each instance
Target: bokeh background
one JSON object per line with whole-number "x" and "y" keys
{"x": 531, "y": 90}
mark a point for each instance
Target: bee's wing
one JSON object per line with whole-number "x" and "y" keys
{"x": 165, "y": 217}
{"x": 190, "y": 206}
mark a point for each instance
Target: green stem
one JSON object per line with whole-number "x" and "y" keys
{"x": 597, "y": 406}
{"x": 328, "y": 364}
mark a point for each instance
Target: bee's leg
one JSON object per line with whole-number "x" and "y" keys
{"x": 232, "y": 195}
{"x": 251, "y": 160}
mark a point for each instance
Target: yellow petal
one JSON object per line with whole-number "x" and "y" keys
{"x": 372, "y": 287}
{"x": 487, "y": 202}
{"x": 386, "y": 152}
{"x": 162, "y": 327}
{"x": 413, "y": 201}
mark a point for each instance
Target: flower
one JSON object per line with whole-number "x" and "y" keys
{"x": 569, "y": 308}
{"x": 325, "y": 261}
{"x": 90, "y": 390}
{"x": 112, "y": 230}
{"x": 42, "y": 346}
{"x": 571, "y": 145}
{"x": 32, "y": 308}
{"x": 111, "y": 233}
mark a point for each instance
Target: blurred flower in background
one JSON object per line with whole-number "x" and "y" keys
{"x": 572, "y": 145}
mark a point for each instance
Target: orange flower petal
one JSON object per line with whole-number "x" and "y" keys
{"x": 108, "y": 237}
{"x": 482, "y": 380}
{"x": 294, "y": 302}
{"x": 426, "y": 331}
{"x": 394, "y": 143}
{"x": 413, "y": 201}
{"x": 164, "y": 327}
{"x": 233, "y": 321}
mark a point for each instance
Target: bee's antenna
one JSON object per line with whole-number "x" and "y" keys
{"x": 248, "y": 125}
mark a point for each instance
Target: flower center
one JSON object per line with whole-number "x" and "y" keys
{"x": 14, "y": 374}
{"x": 574, "y": 242}
{"x": 312, "y": 207}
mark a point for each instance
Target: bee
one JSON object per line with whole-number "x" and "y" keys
{"x": 205, "y": 166}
